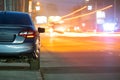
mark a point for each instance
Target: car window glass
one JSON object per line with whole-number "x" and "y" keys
{"x": 15, "y": 19}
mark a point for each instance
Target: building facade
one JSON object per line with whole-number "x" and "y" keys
{"x": 14, "y": 5}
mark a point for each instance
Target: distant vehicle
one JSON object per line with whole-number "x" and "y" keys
{"x": 19, "y": 38}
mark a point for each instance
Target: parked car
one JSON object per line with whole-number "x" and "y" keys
{"x": 19, "y": 38}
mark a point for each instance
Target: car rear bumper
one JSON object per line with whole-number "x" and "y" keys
{"x": 16, "y": 49}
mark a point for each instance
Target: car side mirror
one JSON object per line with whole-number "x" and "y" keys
{"x": 41, "y": 30}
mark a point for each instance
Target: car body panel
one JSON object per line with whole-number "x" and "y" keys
{"x": 16, "y": 48}
{"x": 14, "y": 29}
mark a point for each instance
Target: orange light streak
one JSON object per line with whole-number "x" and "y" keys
{"x": 89, "y": 13}
{"x": 74, "y": 12}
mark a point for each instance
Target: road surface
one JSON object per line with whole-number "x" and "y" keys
{"x": 81, "y": 57}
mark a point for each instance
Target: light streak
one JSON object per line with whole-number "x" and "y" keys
{"x": 74, "y": 12}
{"x": 89, "y": 13}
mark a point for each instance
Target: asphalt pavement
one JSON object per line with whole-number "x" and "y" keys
{"x": 56, "y": 65}
{"x": 21, "y": 71}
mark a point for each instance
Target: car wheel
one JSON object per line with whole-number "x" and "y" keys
{"x": 34, "y": 63}
{"x": 34, "y": 60}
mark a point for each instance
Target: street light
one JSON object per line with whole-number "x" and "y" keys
{"x": 87, "y": 0}
{"x": 90, "y": 7}
{"x": 37, "y": 6}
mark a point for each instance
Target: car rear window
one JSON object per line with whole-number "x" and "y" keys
{"x": 15, "y": 18}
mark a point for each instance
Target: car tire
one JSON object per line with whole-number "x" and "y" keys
{"x": 34, "y": 63}
{"x": 34, "y": 60}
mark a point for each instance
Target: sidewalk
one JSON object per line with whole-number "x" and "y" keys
{"x": 20, "y": 75}
{"x": 18, "y": 71}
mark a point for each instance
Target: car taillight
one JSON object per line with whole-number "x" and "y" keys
{"x": 28, "y": 33}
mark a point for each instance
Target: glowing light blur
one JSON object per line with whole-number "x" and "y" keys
{"x": 74, "y": 12}
{"x": 37, "y": 8}
{"x": 100, "y": 14}
{"x": 60, "y": 28}
{"x": 89, "y": 7}
{"x": 51, "y": 30}
{"x": 83, "y": 24}
{"x": 89, "y": 13}
{"x": 41, "y": 19}
{"x": 73, "y": 34}
{"x": 76, "y": 28}
{"x": 54, "y": 18}
{"x": 109, "y": 27}
{"x": 87, "y": 0}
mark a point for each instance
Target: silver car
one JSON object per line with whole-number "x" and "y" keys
{"x": 19, "y": 38}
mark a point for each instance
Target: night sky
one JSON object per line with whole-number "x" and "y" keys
{"x": 58, "y": 7}
{"x": 64, "y": 7}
